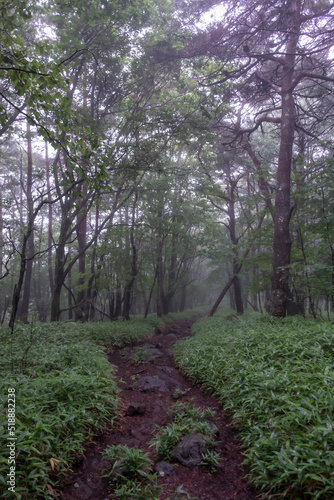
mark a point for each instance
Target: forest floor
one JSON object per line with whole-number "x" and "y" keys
{"x": 140, "y": 384}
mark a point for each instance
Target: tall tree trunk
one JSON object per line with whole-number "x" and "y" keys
{"x": 280, "y": 292}
{"x": 59, "y": 278}
{"x": 24, "y": 310}
{"x": 19, "y": 284}
{"x": 118, "y": 299}
{"x": 40, "y": 297}
{"x": 2, "y": 294}
{"x": 59, "y": 265}
{"x": 134, "y": 271}
{"x": 160, "y": 284}
{"x": 171, "y": 288}
{"x": 92, "y": 291}
{"x": 237, "y": 292}
{"x": 80, "y": 311}
{"x": 81, "y": 302}
{"x": 147, "y": 308}
{"x": 332, "y": 283}
{"x": 50, "y": 269}
{"x": 70, "y": 295}
{"x": 183, "y": 298}
{"x": 159, "y": 268}
{"x": 111, "y": 303}
{"x": 232, "y": 185}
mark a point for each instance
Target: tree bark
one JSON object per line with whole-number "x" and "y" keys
{"x": 159, "y": 275}
{"x": 50, "y": 269}
{"x": 183, "y": 298}
{"x": 147, "y": 308}
{"x": 19, "y": 284}
{"x": 172, "y": 274}
{"x": 60, "y": 259}
{"x": 134, "y": 271}
{"x": 280, "y": 292}
{"x": 81, "y": 309}
{"x": 159, "y": 268}
{"x": 2, "y": 295}
{"x": 59, "y": 278}
{"x": 24, "y": 310}
{"x": 232, "y": 185}
{"x": 236, "y": 271}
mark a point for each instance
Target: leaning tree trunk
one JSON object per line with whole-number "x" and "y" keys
{"x": 236, "y": 269}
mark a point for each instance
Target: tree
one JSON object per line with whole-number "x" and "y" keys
{"x": 24, "y": 309}
{"x": 277, "y": 54}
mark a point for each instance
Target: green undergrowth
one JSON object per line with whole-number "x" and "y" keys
{"x": 276, "y": 377}
{"x": 187, "y": 419}
{"x": 130, "y": 473}
{"x": 65, "y": 394}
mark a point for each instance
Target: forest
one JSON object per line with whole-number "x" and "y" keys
{"x": 162, "y": 161}
{"x": 151, "y": 156}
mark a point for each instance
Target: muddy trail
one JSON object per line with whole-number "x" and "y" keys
{"x": 148, "y": 389}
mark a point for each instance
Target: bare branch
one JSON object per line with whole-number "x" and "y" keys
{"x": 308, "y": 74}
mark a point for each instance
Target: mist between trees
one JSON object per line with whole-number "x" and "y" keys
{"x": 151, "y": 162}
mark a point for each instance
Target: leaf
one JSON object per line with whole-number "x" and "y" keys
{"x": 51, "y": 489}
{"x": 54, "y": 462}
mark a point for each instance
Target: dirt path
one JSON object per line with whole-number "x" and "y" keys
{"x": 137, "y": 430}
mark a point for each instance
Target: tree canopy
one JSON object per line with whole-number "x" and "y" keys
{"x": 162, "y": 155}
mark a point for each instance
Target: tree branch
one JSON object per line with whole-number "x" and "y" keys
{"x": 307, "y": 74}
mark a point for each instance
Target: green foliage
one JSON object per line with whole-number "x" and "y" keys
{"x": 187, "y": 419}
{"x": 63, "y": 396}
{"x": 140, "y": 357}
{"x": 132, "y": 458}
{"x": 65, "y": 393}
{"x": 276, "y": 377}
{"x": 184, "y": 411}
{"x": 181, "y": 494}
{"x": 134, "y": 478}
{"x": 167, "y": 438}
{"x": 28, "y": 70}
{"x": 211, "y": 459}
{"x": 179, "y": 393}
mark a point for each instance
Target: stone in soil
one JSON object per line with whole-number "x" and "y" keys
{"x": 81, "y": 491}
{"x": 190, "y": 450}
{"x": 151, "y": 384}
{"x": 149, "y": 353}
{"x": 135, "y": 409}
{"x": 164, "y": 469}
